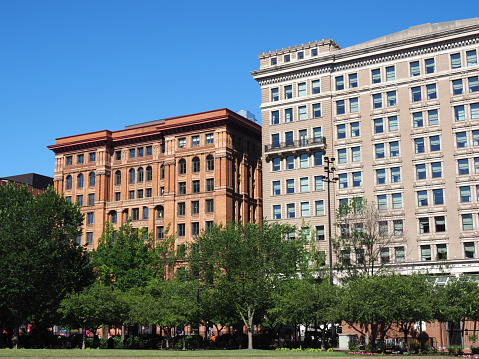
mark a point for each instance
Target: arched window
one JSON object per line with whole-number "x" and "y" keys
{"x": 91, "y": 179}
{"x": 68, "y": 184}
{"x": 182, "y": 167}
{"x": 162, "y": 172}
{"x": 140, "y": 174}
{"x": 160, "y": 212}
{"x": 196, "y": 164}
{"x": 131, "y": 178}
{"x": 210, "y": 163}
{"x": 118, "y": 177}
{"x": 80, "y": 181}
{"x": 149, "y": 173}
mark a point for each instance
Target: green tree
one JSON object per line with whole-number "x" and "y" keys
{"x": 40, "y": 261}
{"x": 246, "y": 262}
{"x": 360, "y": 234}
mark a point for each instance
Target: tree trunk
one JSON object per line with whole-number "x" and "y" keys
{"x": 16, "y": 334}
{"x": 250, "y": 329}
{"x": 123, "y": 328}
{"x": 366, "y": 334}
{"x": 83, "y": 341}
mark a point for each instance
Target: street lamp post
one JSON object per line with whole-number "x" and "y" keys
{"x": 330, "y": 173}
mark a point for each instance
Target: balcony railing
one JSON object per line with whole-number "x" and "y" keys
{"x": 291, "y": 145}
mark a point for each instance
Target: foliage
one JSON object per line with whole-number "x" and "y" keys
{"x": 246, "y": 262}
{"x": 359, "y": 234}
{"x": 130, "y": 258}
{"x": 40, "y": 261}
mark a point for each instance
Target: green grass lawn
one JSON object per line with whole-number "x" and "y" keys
{"x": 124, "y": 353}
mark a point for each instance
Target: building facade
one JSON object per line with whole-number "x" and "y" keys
{"x": 400, "y": 115}
{"x": 181, "y": 173}
{"x": 35, "y": 182}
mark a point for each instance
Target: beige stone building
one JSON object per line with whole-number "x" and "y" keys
{"x": 400, "y": 115}
{"x": 184, "y": 172}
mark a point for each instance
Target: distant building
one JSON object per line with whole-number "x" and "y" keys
{"x": 184, "y": 172}
{"x": 34, "y": 181}
{"x": 400, "y": 115}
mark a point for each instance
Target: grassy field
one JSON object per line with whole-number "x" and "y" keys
{"x": 123, "y": 353}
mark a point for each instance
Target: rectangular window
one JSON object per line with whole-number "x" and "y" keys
{"x": 290, "y": 210}
{"x": 318, "y": 183}
{"x": 394, "y": 149}
{"x": 354, "y": 105}
{"x": 195, "y": 141}
{"x": 314, "y": 52}
{"x": 383, "y": 229}
{"x": 461, "y": 139}
{"x": 343, "y": 180}
{"x": 181, "y": 230}
{"x": 471, "y": 58}
{"x": 318, "y": 158}
{"x": 423, "y": 225}
{"x": 475, "y": 111}
{"x": 398, "y": 227}
{"x": 384, "y": 255}
{"x": 319, "y": 208}
{"x": 341, "y": 131}
{"x": 69, "y": 160}
{"x": 181, "y": 209}
{"x": 195, "y": 207}
{"x": 288, "y": 92}
{"x": 420, "y": 171}
{"x": 459, "y": 113}
{"x": 457, "y": 88}
{"x": 436, "y": 168}
{"x": 473, "y": 84}
{"x": 160, "y": 232}
{"x": 393, "y": 123}
{"x": 80, "y": 200}
{"x": 440, "y": 224}
{"x": 320, "y": 233}
{"x": 304, "y": 184}
{"x": 353, "y": 80}
{"x": 377, "y": 101}
{"x": 433, "y": 117}
{"x": 303, "y": 160}
{"x": 287, "y": 58}
{"x": 139, "y": 193}
{"x": 302, "y": 113}
{"x": 354, "y": 129}
{"x": 275, "y": 94}
{"x": 422, "y": 198}
{"x": 435, "y": 143}
{"x": 181, "y": 187}
{"x": 463, "y": 166}
{"x": 438, "y": 196}
{"x": 131, "y": 194}
{"x": 399, "y": 254}
{"x": 181, "y": 142}
{"x": 342, "y": 157}
{"x": 210, "y": 139}
{"x": 392, "y": 100}
{"x": 276, "y": 212}
{"x": 276, "y": 188}
{"x": 379, "y": 150}
{"x": 416, "y": 94}
{"x": 316, "y": 86}
{"x": 382, "y": 202}
{"x": 290, "y": 186}
{"x": 209, "y": 206}
{"x": 475, "y": 138}
{"x": 396, "y": 174}
{"x": 140, "y": 152}
{"x": 414, "y": 68}
{"x": 117, "y": 196}
{"x": 430, "y": 66}
{"x": 381, "y": 176}
{"x": 148, "y": 193}
{"x": 476, "y": 165}
{"x": 376, "y": 76}
{"x": 135, "y": 214}
{"x": 92, "y": 157}
{"x": 288, "y": 115}
{"x": 419, "y": 145}
{"x": 149, "y": 150}
{"x": 356, "y": 154}
{"x": 80, "y": 159}
{"x": 357, "y": 179}
{"x": 302, "y": 89}
{"x": 304, "y": 209}
{"x": 339, "y": 83}
{"x": 274, "y": 61}
{"x": 89, "y": 218}
{"x": 91, "y": 199}
{"x": 417, "y": 119}
{"x": 397, "y": 200}
{"x": 340, "y": 107}
{"x": 378, "y": 125}
{"x": 210, "y": 184}
{"x": 317, "y": 134}
{"x": 89, "y": 238}
{"x": 316, "y": 110}
{"x": 431, "y": 92}
{"x": 195, "y": 186}
{"x": 390, "y": 73}
{"x": 426, "y": 253}
{"x": 276, "y": 164}
{"x": 274, "y": 117}
{"x": 117, "y": 155}
{"x": 465, "y": 193}
{"x": 469, "y": 250}
{"x": 145, "y": 213}
{"x": 467, "y": 224}
{"x": 455, "y": 61}
{"x": 275, "y": 140}
{"x": 290, "y": 163}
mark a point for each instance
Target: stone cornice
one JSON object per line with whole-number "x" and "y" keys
{"x": 309, "y": 45}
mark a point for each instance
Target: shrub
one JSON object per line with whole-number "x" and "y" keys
{"x": 455, "y": 350}
{"x": 474, "y": 350}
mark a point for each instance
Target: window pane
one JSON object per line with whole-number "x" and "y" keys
{"x": 355, "y": 129}
{"x": 302, "y": 89}
{"x": 394, "y": 149}
{"x": 457, "y": 87}
{"x": 379, "y": 150}
{"x": 340, "y": 107}
{"x": 390, "y": 73}
{"x": 353, "y": 105}
{"x": 339, "y": 83}
{"x": 417, "y": 119}
{"x": 381, "y": 176}
{"x": 461, "y": 139}
{"x": 455, "y": 61}
{"x": 430, "y": 66}
{"x": 416, "y": 94}
{"x": 353, "y": 80}
{"x": 422, "y": 198}
{"x": 377, "y": 101}
{"x": 303, "y": 115}
{"x": 433, "y": 117}
{"x": 421, "y": 171}
{"x": 473, "y": 84}
{"x": 414, "y": 67}
{"x": 431, "y": 92}
{"x": 378, "y": 126}
{"x": 376, "y": 76}
{"x": 419, "y": 145}
{"x": 393, "y": 123}
{"x": 288, "y": 115}
{"x": 471, "y": 57}
{"x": 436, "y": 169}
{"x": 459, "y": 114}
{"x": 391, "y": 98}
{"x": 463, "y": 166}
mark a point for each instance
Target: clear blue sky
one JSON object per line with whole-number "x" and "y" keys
{"x": 70, "y": 67}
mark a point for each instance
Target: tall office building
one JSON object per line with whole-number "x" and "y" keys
{"x": 400, "y": 115}
{"x": 183, "y": 172}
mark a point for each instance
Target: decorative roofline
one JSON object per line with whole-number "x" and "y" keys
{"x": 309, "y": 45}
